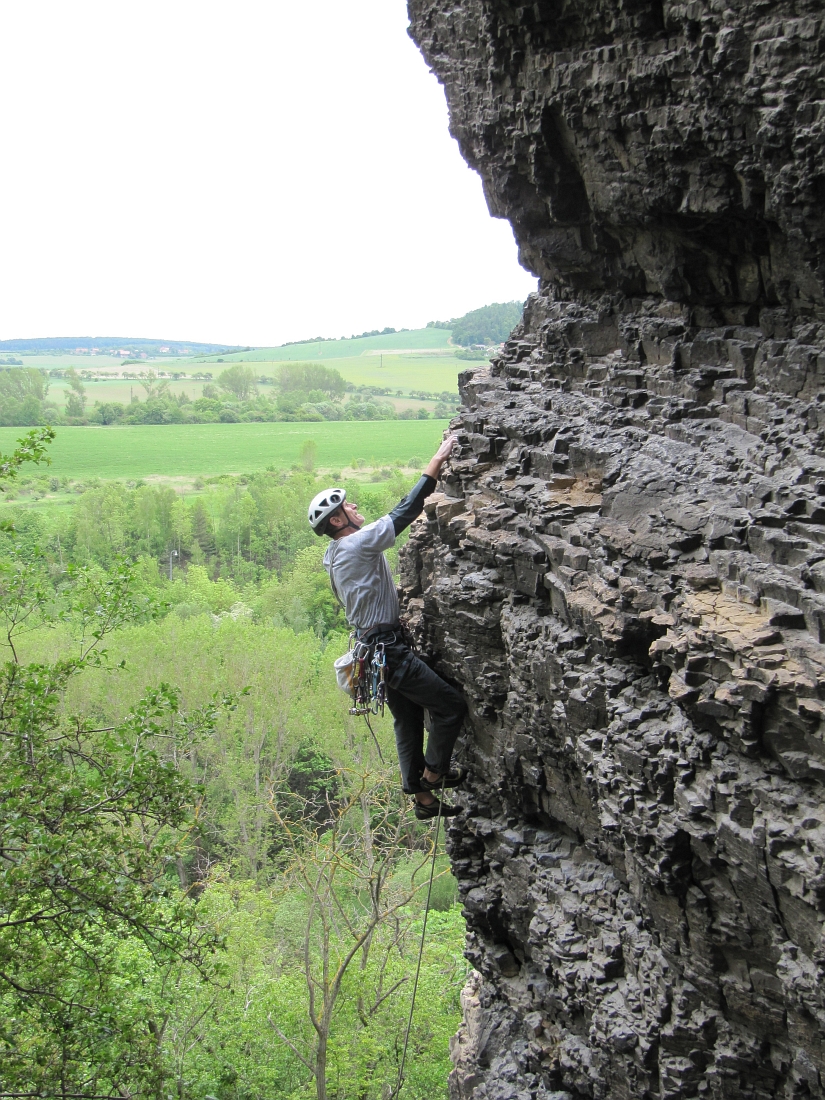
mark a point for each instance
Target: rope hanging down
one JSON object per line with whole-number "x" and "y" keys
{"x": 400, "y": 1083}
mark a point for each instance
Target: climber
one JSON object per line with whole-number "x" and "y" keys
{"x": 361, "y": 579}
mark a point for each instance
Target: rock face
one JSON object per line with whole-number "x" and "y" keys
{"x": 646, "y": 147}
{"x": 626, "y": 571}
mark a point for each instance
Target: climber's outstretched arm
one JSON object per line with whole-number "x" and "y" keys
{"x": 412, "y": 505}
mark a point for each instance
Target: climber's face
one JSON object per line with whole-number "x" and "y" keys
{"x": 347, "y": 516}
{"x": 353, "y": 515}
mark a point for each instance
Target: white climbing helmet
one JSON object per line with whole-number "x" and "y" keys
{"x": 323, "y": 505}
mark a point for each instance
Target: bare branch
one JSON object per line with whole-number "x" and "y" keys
{"x": 290, "y": 1044}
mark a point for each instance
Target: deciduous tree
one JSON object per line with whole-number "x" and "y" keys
{"x": 356, "y": 906}
{"x": 91, "y": 817}
{"x": 238, "y": 380}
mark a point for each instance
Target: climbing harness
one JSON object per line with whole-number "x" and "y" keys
{"x": 369, "y": 685}
{"x": 400, "y": 1082}
{"x": 362, "y": 673}
{"x": 369, "y": 688}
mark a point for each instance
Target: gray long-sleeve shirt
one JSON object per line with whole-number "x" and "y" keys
{"x": 358, "y": 570}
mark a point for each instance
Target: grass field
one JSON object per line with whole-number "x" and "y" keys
{"x": 174, "y": 450}
{"x": 433, "y": 373}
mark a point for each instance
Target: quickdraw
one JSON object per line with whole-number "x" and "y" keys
{"x": 369, "y": 678}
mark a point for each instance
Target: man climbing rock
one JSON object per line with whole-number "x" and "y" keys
{"x": 361, "y": 578}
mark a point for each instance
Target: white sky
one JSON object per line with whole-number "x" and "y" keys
{"x": 249, "y": 172}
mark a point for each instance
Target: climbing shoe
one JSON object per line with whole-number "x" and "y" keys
{"x": 454, "y": 778}
{"x": 430, "y": 813}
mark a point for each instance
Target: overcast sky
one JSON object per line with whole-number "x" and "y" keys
{"x": 252, "y": 172}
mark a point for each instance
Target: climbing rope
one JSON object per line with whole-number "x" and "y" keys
{"x": 366, "y": 718}
{"x": 400, "y": 1083}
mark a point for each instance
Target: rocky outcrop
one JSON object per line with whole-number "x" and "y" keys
{"x": 645, "y": 146}
{"x": 626, "y": 569}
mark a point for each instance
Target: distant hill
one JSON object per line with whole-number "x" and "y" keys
{"x": 62, "y": 345}
{"x": 422, "y": 339}
{"x": 488, "y": 325}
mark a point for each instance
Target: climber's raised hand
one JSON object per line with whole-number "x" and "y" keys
{"x": 441, "y": 456}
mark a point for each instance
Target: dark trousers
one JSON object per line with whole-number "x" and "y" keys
{"x": 412, "y": 687}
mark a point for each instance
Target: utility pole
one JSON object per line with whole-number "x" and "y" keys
{"x": 172, "y": 554}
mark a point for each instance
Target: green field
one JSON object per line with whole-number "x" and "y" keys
{"x": 433, "y": 373}
{"x": 419, "y": 339}
{"x": 421, "y": 359}
{"x": 175, "y": 450}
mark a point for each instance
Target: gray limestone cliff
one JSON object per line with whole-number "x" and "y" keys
{"x": 626, "y": 569}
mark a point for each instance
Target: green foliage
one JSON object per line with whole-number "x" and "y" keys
{"x": 290, "y": 733}
{"x": 238, "y": 380}
{"x": 314, "y": 780}
{"x": 212, "y": 889}
{"x": 243, "y": 540}
{"x": 306, "y": 377}
{"x": 222, "y": 1041}
{"x": 309, "y": 454}
{"x": 421, "y": 359}
{"x": 30, "y": 448}
{"x": 472, "y": 354}
{"x": 91, "y": 817}
{"x": 357, "y": 881}
{"x": 292, "y": 700}
{"x": 23, "y": 393}
{"x": 373, "y": 332}
{"x": 107, "y": 412}
{"x": 488, "y": 325}
{"x": 305, "y": 391}
{"x": 303, "y": 599}
{"x": 240, "y": 403}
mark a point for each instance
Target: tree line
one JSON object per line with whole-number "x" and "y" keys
{"x": 248, "y": 528}
{"x": 303, "y": 392}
